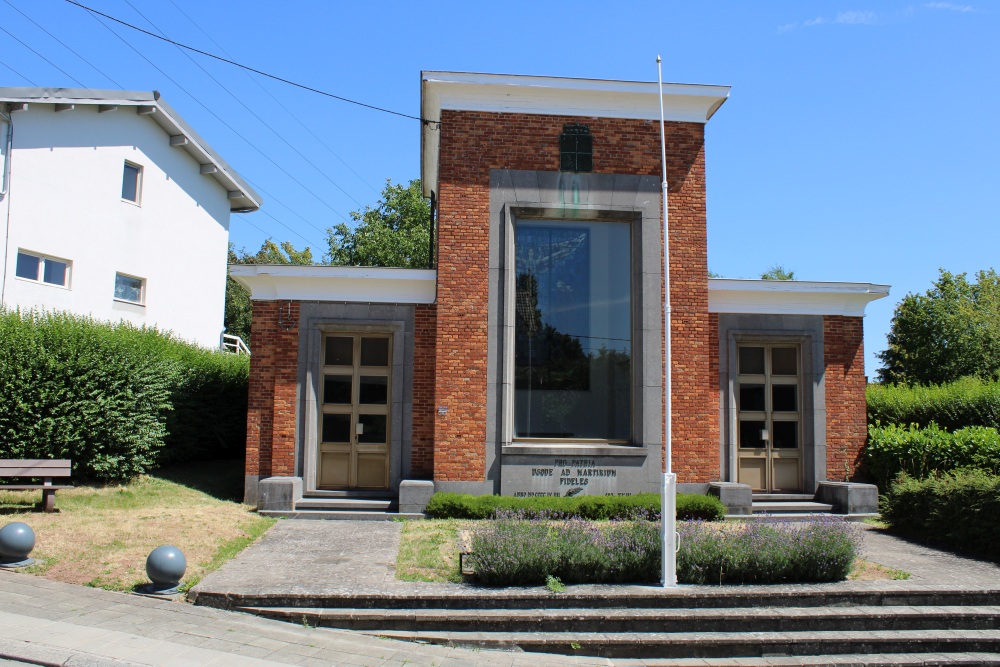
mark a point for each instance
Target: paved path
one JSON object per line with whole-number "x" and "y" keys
{"x": 50, "y": 623}
{"x": 353, "y": 557}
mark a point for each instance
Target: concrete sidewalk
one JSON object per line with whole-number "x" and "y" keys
{"x": 50, "y": 623}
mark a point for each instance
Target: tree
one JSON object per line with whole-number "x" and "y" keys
{"x": 393, "y": 233}
{"x": 238, "y": 306}
{"x": 777, "y": 272}
{"x": 951, "y": 331}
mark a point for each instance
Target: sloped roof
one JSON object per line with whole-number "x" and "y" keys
{"x": 242, "y": 197}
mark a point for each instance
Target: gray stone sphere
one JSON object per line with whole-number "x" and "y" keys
{"x": 16, "y": 541}
{"x": 165, "y": 566}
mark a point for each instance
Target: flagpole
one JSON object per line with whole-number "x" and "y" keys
{"x": 668, "y": 500}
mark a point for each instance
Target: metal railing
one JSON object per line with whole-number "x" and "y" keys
{"x": 234, "y": 344}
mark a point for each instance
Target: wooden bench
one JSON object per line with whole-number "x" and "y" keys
{"x": 46, "y": 469}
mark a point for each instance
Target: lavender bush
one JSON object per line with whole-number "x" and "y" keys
{"x": 767, "y": 552}
{"x": 520, "y": 549}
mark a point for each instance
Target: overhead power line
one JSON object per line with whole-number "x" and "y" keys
{"x": 65, "y": 46}
{"x": 217, "y": 117}
{"x": 251, "y": 112}
{"x": 18, "y": 73}
{"x": 275, "y": 98}
{"x": 42, "y": 57}
{"x": 251, "y": 69}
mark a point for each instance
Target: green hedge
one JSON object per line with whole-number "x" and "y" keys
{"x": 967, "y": 402}
{"x": 918, "y": 452}
{"x": 957, "y": 509}
{"x": 116, "y": 399}
{"x": 642, "y": 505}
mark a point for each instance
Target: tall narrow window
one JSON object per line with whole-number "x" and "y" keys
{"x": 130, "y": 289}
{"x": 573, "y": 331}
{"x": 131, "y": 182}
{"x": 576, "y": 149}
{"x": 42, "y": 269}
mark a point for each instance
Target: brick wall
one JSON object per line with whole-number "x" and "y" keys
{"x": 846, "y": 414}
{"x": 271, "y": 411}
{"x": 473, "y": 143}
{"x": 425, "y": 330}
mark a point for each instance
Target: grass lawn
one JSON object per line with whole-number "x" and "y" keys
{"x": 101, "y": 535}
{"x": 428, "y": 551}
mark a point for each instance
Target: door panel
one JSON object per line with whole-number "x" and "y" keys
{"x": 354, "y": 424}
{"x": 768, "y": 442}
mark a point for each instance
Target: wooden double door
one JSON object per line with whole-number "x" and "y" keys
{"x": 769, "y": 424}
{"x": 355, "y": 414}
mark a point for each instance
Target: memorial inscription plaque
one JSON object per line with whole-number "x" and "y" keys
{"x": 534, "y": 476}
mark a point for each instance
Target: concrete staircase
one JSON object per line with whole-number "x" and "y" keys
{"x": 345, "y": 506}
{"x": 727, "y": 627}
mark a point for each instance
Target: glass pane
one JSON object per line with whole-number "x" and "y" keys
{"x": 784, "y": 361}
{"x": 336, "y": 428}
{"x": 337, "y": 389}
{"x": 752, "y": 397}
{"x": 573, "y": 331}
{"x": 130, "y": 183}
{"x": 786, "y": 435}
{"x": 54, "y": 272}
{"x": 339, "y": 351}
{"x": 750, "y": 434}
{"x": 373, "y": 427}
{"x": 751, "y": 361}
{"x": 128, "y": 288}
{"x": 374, "y": 390}
{"x": 784, "y": 398}
{"x": 375, "y": 352}
{"x": 27, "y": 266}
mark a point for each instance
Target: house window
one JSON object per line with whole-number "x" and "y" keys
{"x": 42, "y": 269}
{"x": 572, "y": 331}
{"x": 131, "y": 182}
{"x": 130, "y": 289}
{"x": 576, "y": 149}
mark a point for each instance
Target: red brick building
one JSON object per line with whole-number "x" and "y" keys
{"x": 528, "y": 361}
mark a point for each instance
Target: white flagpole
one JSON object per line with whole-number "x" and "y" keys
{"x": 668, "y": 502}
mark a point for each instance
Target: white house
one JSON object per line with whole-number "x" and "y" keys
{"x": 113, "y": 206}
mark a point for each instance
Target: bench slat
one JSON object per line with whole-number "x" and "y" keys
{"x": 50, "y": 463}
{"x": 35, "y": 468}
{"x": 31, "y": 487}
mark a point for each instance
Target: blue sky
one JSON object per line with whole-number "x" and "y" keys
{"x": 859, "y": 142}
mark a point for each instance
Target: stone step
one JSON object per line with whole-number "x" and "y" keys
{"x": 353, "y": 504}
{"x": 787, "y": 507}
{"x": 844, "y": 660}
{"x": 339, "y": 515}
{"x": 786, "y": 619}
{"x": 780, "y": 497}
{"x": 795, "y": 516}
{"x": 715, "y": 644}
{"x": 632, "y": 597}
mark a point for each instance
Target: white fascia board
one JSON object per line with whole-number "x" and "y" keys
{"x": 165, "y": 116}
{"x": 791, "y": 297}
{"x": 589, "y": 98}
{"x": 351, "y": 284}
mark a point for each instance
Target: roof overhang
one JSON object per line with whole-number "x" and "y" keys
{"x": 791, "y": 297}
{"x": 545, "y": 95}
{"x": 351, "y": 284}
{"x": 242, "y": 197}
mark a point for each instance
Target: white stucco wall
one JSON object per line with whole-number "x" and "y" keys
{"x": 65, "y": 201}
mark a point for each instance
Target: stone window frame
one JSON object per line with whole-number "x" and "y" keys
{"x": 812, "y": 399}
{"x": 556, "y": 195}
{"x": 311, "y": 342}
